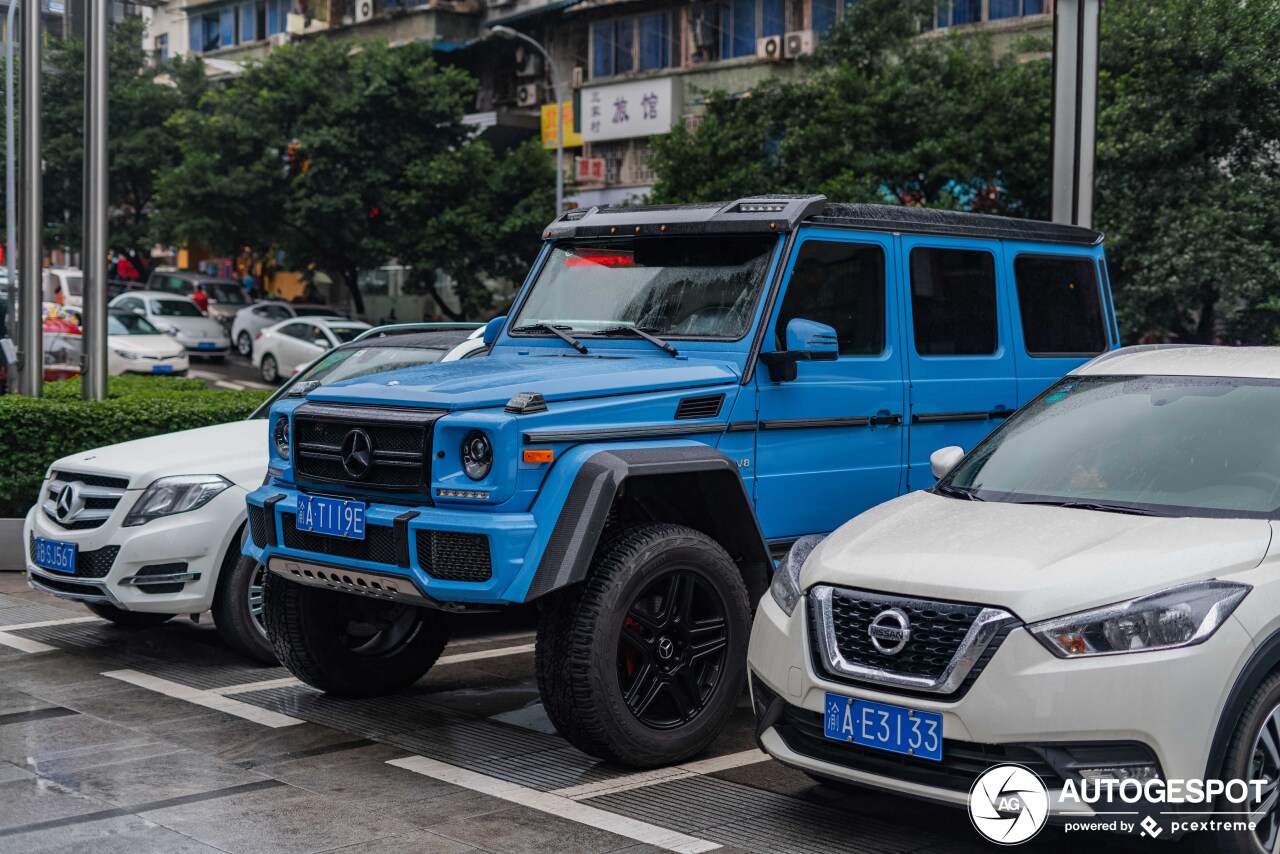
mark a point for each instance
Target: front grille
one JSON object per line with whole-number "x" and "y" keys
{"x": 90, "y": 564}
{"x": 962, "y": 761}
{"x": 400, "y": 446}
{"x": 258, "y": 525}
{"x": 93, "y": 479}
{"x": 937, "y": 629}
{"x": 378, "y": 545}
{"x": 97, "y": 497}
{"x": 451, "y": 556}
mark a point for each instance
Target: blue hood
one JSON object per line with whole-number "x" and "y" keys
{"x": 494, "y": 379}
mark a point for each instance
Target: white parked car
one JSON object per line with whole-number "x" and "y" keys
{"x": 1093, "y": 592}
{"x": 278, "y": 350}
{"x": 135, "y": 346}
{"x": 145, "y": 530}
{"x": 69, "y": 280}
{"x": 253, "y": 319}
{"x": 180, "y": 317}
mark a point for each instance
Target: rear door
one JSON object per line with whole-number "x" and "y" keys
{"x": 829, "y": 444}
{"x": 1060, "y": 309}
{"x": 960, "y": 355}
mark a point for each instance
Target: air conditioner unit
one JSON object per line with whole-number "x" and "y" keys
{"x": 364, "y": 10}
{"x": 800, "y": 42}
{"x": 769, "y": 48}
{"x": 529, "y": 94}
{"x": 528, "y": 62}
{"x": 579, "y": 76}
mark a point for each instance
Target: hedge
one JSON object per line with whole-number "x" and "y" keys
{"x": 35, "y": 432}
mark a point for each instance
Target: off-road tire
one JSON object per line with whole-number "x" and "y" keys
{"x": 270, "y": 374}
{"x": 233, "y": 613}
{"x": 300, "y": 622}
{"x": 127, "y": 619}
{"x": 579, "y": 636}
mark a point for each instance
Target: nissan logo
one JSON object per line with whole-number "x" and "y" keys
{"x": 890, "y": 631}
{"x": 357, "y": 453}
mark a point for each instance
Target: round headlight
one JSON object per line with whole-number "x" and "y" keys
{"x": 280, "y": 435}
{"x": 477, "y": 455}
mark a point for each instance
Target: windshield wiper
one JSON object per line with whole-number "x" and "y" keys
{"x": 558, "y": 331}
{"x": 957, "y": 492}
{"x": 643, "y": 333}
{"x": 1093, "y": 505}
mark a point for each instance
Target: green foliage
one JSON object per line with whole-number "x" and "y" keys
{"x": 348, "y": 158}
{"x": 36, "y": 431}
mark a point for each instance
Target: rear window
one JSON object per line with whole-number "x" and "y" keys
{"x": 1060, "y": 304}
{"x": 953, "y": 302}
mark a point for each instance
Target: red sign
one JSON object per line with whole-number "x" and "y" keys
{"x": 589, "y": 170}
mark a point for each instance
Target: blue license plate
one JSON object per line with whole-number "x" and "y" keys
{"x": 55, "y": 556}
{"x": 896, "y": 729}
{"x": 333, "y": 517}
{"x": 207, "y": 345}
{"x": 162, "y": 369}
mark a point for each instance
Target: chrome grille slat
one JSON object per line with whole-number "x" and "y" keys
{"x": 97, "y": 496}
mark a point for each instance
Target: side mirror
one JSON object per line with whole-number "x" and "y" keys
{"x": 944, "y": 460}
{"x": 492, "y": 329}
{"x": 807, "y": 341}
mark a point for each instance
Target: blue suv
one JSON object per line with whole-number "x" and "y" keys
{"x": 677, "y": 394}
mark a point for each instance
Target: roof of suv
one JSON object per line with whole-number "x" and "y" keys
{"x": 1186, "y": 360}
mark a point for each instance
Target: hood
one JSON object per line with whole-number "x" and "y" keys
{"x": 146, "y": 345}
{"x": 196, "y": 327}
{"x": 1037, "y": 562}
{"x": 493, "y": 380}
{"x": 237, "y": 451}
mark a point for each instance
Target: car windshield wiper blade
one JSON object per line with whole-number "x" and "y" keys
{"x": 1094, "y": 505}
{"x": 957, "y": 492}
{"x": 560, "y": 331}
{"x": 643, "y": 333}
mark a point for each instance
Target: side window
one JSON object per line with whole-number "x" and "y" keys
{"x": 953, "y": 302}
{"x": 295, "y": 330}
{"x": 1060, "y": 305}
{"x": 841, "y": 285}
{"x": 130, "y": 304}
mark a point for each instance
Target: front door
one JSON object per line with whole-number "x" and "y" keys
{"x": 829, "y": 444}
{"x": 959, "y": 347}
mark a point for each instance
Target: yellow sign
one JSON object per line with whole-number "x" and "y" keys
{"x": 550, "y": 130}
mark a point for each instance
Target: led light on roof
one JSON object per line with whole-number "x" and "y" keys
{"x": 760, "y": 207}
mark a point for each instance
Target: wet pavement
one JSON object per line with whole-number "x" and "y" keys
{"x": 162, "y": 740}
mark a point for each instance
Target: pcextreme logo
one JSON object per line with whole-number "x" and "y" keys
{"x": 1008, "y": 804}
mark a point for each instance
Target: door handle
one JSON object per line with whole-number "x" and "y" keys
{"x": 885, "y": 420}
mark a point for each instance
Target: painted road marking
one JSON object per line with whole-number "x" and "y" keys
{"x": 662, "y": 775}
{"x": 41, "y": 624}
{"x": 201, "y": 697}
{"x": 23, "y": 644}
{"x": 554, "y": 804}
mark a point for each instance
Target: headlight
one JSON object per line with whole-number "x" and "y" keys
{"x": 786, "y": 578}
{"x": 477, "y": 455}
{"x": 170, "y": 495}
{"x": 1181, "y": 616}
{"x": 280, "y": 436}
{"x": 125, "y": 354}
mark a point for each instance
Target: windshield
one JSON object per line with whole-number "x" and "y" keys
{"x": 129, "y": 324}
{"x": 1184, "y": 446}
{"x": 355, "y": 362}
{"x": 228, "y": 292}
{"x": 347, "y": 333}
{"x": 174, "y": 308}
{"x": 72, "y": 283}
{"x": 674, "y": 287}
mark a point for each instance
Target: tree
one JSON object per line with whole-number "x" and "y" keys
{"x": 345, "y": 158}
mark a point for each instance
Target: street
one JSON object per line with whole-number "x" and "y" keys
{"x": 234, "y": 373}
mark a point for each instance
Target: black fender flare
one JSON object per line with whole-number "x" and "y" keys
{"x": 567, "y": 557}
{"x": 1264, "y": 660}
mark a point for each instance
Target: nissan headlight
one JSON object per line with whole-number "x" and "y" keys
{"x": 178, "y": 494}
{"x": 785, "y": 587}
{"x": 280, "y": 435}
{"x": 477, "y": 455}
{"x": 1178, "y": 617}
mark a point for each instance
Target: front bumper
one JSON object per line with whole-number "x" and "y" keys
{"x": 1026, "y": 706}
{"x": 167, "y": 566}
{"x": 429, "y": 554}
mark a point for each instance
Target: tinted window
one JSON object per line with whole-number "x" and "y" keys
{"x": 1060, "y": 305}
{"x": 953, "y": 302}
{"x": 174, "y": 308}
{"x": 346, "y": 333}
{"x": 297, "y": 330}
{"x": 228, "y": 292}
{"x": 129, "y": 324}
{"x": 841, "y": 285}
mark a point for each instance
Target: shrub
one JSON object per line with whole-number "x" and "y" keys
{"x": 35, "y": 432}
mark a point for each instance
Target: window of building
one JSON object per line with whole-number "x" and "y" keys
{"x": 1015, "y": 8}
{"x": 823, "y": 14}
{"x": 953, "y": 13}
{"x": 162, "y": 47}
{"x": 953, "y": 302}
{"x": 638, "y": 42}
{"x": 248, "y": 19}
{"x": 238, "y": 23}
{"x": 743, "y": 21}
{"x": 1060, "y": 305}
{"x": 843, "y": 286}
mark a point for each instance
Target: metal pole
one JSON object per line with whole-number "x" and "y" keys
{"x": 10, "y": 191}
{"x": 31, "y": 242}
{"x": 94, "y": 320}
{"x": 1075, "y": 105}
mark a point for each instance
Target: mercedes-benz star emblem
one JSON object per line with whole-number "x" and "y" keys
{"x": 890, "y": 631}
{"x": 68, "y": 503}
{"x": 666, "y": 648}
{"x": 357, "y": 453}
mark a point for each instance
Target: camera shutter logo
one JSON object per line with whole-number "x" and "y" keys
{"x": 1008, "y": 804}
{"x": 890, "y": 631}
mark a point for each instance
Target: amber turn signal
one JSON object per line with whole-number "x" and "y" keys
{"x": 539, "y": 456}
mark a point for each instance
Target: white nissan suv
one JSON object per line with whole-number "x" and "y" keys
{"x": 1092, "y": 593}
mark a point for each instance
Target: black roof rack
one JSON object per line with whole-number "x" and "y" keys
{"x": 785, "y": 213}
